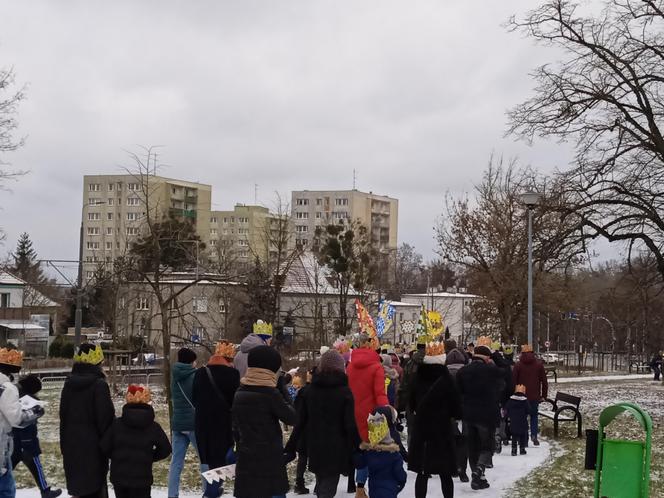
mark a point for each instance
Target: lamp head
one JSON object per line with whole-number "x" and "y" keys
{"x": 530, "y": 199}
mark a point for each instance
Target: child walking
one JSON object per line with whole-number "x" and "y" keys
{"x": 517, "y": 413}
{"x": 382, "y": 456}
{"x": 134, "y": 442}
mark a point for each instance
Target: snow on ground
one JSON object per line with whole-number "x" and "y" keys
{"x": 567, "y": 380}
{"x": 507, "y": 470}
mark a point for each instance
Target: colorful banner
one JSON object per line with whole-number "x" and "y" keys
{"x": 435, "y": 324}
{"x": 385, "y": 318}
{"x": 423, "y": 326}
{"x": 364, "y": 320}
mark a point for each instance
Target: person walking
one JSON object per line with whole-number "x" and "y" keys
{"x": 366, "y": 379}
{"x": 406, "y": 385}
{"x": 530, "y": 372}
{"x": 183, "y": 422}
{"x": 455, "y": 360}
{"x": 299, "y": 404}
{"x": 656, "y": 365}
{"x": 480, "y": 384}
{"x": 326, "y": 423}
{"x": 391, "y": 380}
{"x": 26, "y": 441}
{"x": 517, "y": 413}
{"x": 436, "y": 404}
{"x": 258, "y": 409}
{"x": 133, "y": 443}
{"x": 261, "y": 336}
{"x": 213, "y": 392}
{"x": 86, "y": 413}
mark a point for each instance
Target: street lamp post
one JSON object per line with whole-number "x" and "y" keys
{"x": 530, "y": 199}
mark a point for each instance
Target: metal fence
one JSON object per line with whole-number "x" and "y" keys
{"x": 601, "y": 362}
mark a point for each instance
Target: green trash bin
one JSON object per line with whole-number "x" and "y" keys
{"x": 623, "y": 467}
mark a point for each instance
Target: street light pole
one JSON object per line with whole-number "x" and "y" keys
{"x": 78, "y": 317}
{"x": 530, "y": 199}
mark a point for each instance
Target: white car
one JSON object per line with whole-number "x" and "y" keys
{"x": 550, "y": 358}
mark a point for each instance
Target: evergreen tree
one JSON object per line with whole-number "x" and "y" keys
{"x": 26, "y": 264}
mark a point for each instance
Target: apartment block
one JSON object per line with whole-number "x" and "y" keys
{"x": 314, "y": 208}
{"x": 115, "y": 209}
{"x": 246, "y": 232}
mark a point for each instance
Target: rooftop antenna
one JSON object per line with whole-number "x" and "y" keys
{"x": 354, "y": 179}
{"x": 256, "y": 194}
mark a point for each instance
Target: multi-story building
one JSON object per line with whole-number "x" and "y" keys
{"x": 115, "y": 209}
{"x": 248, "y": 232}
{"x": 314, "y": 208}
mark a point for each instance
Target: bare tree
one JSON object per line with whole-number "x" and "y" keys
{"x": 605, "y": 95}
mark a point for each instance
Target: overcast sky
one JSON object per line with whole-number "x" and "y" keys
{"x": 286, "y": 94}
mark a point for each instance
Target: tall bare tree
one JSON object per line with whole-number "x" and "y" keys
{"x": 606, "y": 95}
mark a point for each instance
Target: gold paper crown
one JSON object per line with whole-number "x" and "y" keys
{"x": 138, "y": 394}
{"x": 484, "y": 340}
{"x": 378, "y": 428}
{"x": 225, "y": 349}
{"x": 520, "y": 388}
{"x": 93, "y": 357}
{"x": 375, "y": 343}
{"x": 495, "y": 346}
{"x": 526, "y": 348}
{"x": 435, "y": 349}
{"x": 11, "y": 357}
{"x": 262, "y": 328}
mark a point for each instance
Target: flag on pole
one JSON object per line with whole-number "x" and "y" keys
{"x": 385, "y": 318}
{"x": 364, "y": 319}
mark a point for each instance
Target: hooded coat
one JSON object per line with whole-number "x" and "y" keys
{"x": 182, "y": 385}
{"x": 214, "y": 435}
{"x": 326, "y": 421}
{"x": 435, "y": 402}
{"x": 261, "y": 469}
{"x": 530, "y": 372}
{"x": 406, "y": 384}
{"x": 366, "y": 379}
{"x": 86, "y": 413}
{"x": 480, "y": 385}
{"x": 517, "y": 412}
{"x": 247, "y": 344}
{"x": 455, "y": 361}
{"x": 387, "y": 476}
{"x": 134, "y": 442}
{"x": 506, "y": 370}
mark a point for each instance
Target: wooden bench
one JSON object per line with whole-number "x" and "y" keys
{"x": 563, "y": 404}
{"x": 552, "y": 372}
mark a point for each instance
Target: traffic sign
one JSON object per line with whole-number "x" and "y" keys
{"x": 547, "y": 344}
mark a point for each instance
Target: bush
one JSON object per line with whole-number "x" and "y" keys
{"x": 67, "y": 350}
{"x": 61, "y": 348}
{"x": 55, "y": 349}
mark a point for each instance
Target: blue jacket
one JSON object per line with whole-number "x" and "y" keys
{"x": 182, "y": 385}
{"x": 387, "y": 476}
{"x": 517, "y": 412}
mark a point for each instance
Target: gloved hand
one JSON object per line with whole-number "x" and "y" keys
{"x": 38, "y": 411}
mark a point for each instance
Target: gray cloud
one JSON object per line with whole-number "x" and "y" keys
{"x": 289, "y": 95}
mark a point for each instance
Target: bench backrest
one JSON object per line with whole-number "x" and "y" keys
{"x": 568, "y": 398}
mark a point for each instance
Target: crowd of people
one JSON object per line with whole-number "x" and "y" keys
{"x": 347, "y": 415}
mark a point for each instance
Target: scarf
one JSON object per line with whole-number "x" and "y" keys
{"x": 259, "y": 377}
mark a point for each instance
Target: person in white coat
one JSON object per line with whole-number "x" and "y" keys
{"x": 12, "y": 415}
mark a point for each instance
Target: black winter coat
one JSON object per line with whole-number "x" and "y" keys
{"x": 517, "y": 412}
{"x": 326, "y": 420}
{"x": 298, "y": 404}
{"x": 86, "y": 413}
{"x": 214, "y": 435}
{"x": 133, "y": 442}
{"x": 506, "y": 370}
{"x": 261, "y": 469}
{"x": 480, "y": 385}
{"x": 436, "y": 403}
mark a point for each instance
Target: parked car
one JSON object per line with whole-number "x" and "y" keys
{"x": 550, "y": 358}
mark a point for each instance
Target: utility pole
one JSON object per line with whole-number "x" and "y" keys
{"x": 78, "y": 317}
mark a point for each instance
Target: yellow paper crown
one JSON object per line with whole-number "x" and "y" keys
{"x": 93, "y": 357}
{"x": 138, "y": 394}
{"x": 422, "y": 339}
{"x": 11, "y": 357}
{"x": 526, "y": 348}
{"x": 262, "y": 328}
{"x": 378, "y": 428}
{"x": 495, "y": 346}
{"x": 435, "y": 349}
{"x": 484, "y": 340}
{"x": 225, "y": 349}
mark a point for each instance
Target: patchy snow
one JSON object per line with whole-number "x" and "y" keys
{"x": 507, "y": 470}
{"x": 602, "y": 378}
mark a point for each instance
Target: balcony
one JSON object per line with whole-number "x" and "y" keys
{"x": 183, "y": 213}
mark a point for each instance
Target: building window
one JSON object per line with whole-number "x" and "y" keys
{"x": 133, "y": 201}
{"x": 302, "y": 216}
{"x": 319, "y": 202}
{"x": 243, "y": 243}
{"x": 109, "y": 231}
{"x": 122, "y": 303}
{"x": 132, "y": 231}
{"x": 94, "y": 216}
{"x": 118, "y": 186}
{"x": 340, "y": 215}
{"x": 110, "y": 201}
{"x": 319, "y": 215}
{"x": 213, "y": 231}
{"x": 200, "y": 304}
{"x": 132, "y": 186}
{"x": 301, "y": 202}
{"x": 92, "y": 245}
{"x": 301, "y": 228}
{"x": 94, "y": 187}
{"x": 142, "y": 304}
{"x": 93, "y": 231}
{"x": 222, "y": 305}
{"x": 213, "y": 219}
{"x": 232, "y": 219}
{"x": 109, "y": 246}
{"x": 110, "y": 187}
{"x": 93, "y": 201}
{"x": 89, "y": 274}
{"x": 109, "y": 216}
{"x": 341, "y": 202}
{"x": 244, "y": 254}
{"x": 301, "y": 242}
{"x": 4, "y": 300}
{"x": 243, "y": 231}
{"x": 132, "y": 216}
{"x": 243, "y": 220}
{"x": 225, "y": 220}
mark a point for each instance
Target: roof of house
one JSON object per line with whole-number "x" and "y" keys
{"x": 307, "y": 276}
{"x": 7, "y": 278}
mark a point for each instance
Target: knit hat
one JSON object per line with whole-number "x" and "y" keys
{"x": 331, "y": 361}
{"x": 186, "y": 355}
{"x": 449, "y": 344}
{"x": 482, "y": 351}
{"x": 264, "y": 357}
{"x": 138, "y": 394}
{"x": 89, "y": 353}
{"x": 455, "y": 357}
{"x": 30, "y": 385}
{"x": 520, "y": 388}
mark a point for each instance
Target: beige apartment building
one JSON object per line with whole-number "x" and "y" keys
{"x": 115, "y": 208}
{"x": 313, "y": 208}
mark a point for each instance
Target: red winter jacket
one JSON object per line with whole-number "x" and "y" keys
{"x": 529, "y": 371}
{"x": 366, "y": 379}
